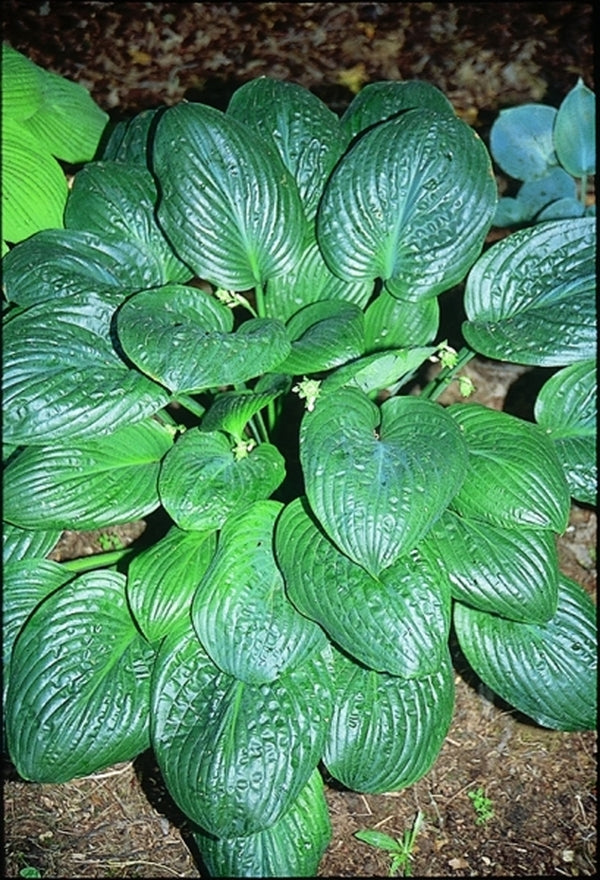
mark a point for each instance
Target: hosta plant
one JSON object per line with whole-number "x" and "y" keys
{"x": 223, "y": 339}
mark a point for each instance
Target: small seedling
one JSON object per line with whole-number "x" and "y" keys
{"x": 29, "y": 871}
{"x": 108, "y": 541}
{"x": 482, "y": 806}
{"x": 400, "y": 848}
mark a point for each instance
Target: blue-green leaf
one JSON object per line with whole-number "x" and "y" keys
{"x": 575, "y": 131}
{"x": 324, "y": 335}
{"x": 521, "y": 140}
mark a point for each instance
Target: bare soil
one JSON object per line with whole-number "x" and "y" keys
{"x": 542, "y": 783}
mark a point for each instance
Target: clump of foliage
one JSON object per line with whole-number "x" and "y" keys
{"x": 548, "y": 150}
{"x": 222, "y": 338}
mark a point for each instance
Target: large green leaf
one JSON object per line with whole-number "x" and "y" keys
{"x": 511, "y": 572}
{"x": 324, "y": 335}
{"x": 521, "y": 140}
{"x": 59, "y": 263}
{"x": 308, "y": 281}
{"x": 90, "y": 483}
{"x": 203, "y": 479}
{"x": 180, "y": 337}
{"x": 378, "y": 478}
{"x": 240, "y": 611}
{"x": 397, "y": 622}
{"x": 379, "y": 101}
{"x": 379, "y": 370}
{"x": 232, "y": 410}
{"x": 20, "y": 543}
{"x": 391, "y": 322}
{"x": 386, "y": 732}
{"x": 235, "y": 756}
{"x": 117, "y": 201}
{"x": 514, "y": 477}
{"x": 547, "y": 671}
{"x": 161, "y": 580}
{"x": 292, "y": 847}
{"x": 229, "y": 206}
{"x": 531, "y": 298}
{"x": 417, "y": 223}
{"x": 566, "y": 408}
{"x": 79, "y": 691}
{"x": 63, "y": 377}
{"x": 130, "y": 140}
{"x": 304, "y": 131}
{"x": 575, "y": 131}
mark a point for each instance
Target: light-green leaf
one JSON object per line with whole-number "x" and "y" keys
{"x": 418, "y": 223}
{"x": 546, "y": 671}
{"x": 531, "y": 298}
{"x": 79, "y": 692}
{"x": 229, "y": 206}
{"x": 378, "y": 478}
{"x": 514, "y": 477}
{"x": 20, "y": 543}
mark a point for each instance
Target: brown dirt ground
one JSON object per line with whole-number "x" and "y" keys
{"x": 542, "y": 783}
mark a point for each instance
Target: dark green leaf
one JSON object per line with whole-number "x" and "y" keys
{"x": 324, "y": 334}
{"x": 378, "y": 370}
{"x": 391, "y": 322}
{"x": 531, "y": 298}
{"x": 379, "y": 101}
{"x": 378, "y": 478}
{"x": 514, "y": 477}
{"x": 78, "y": 696}
{"x": 87, "y": 484}
{"x": 232, "y": 410}
{"x": 130, "y": 140}
{"x": 547, "y": 671}
{"x": 418, "y": 224}
{"x": 397, "y": 622}
{"x": 229, "y": 206}
{"x": 386, "y": 732}
{"x": 203, "y": 481}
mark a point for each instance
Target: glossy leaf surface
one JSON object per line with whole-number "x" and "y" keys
{"x": 531, "y": 298}
{"x": 397, "y": 622}
{"x": 78, "y": 696}
{"x": 546, "y": 671}
{"x": 378, "y": 478}
{"x": 232, "y": 410}
{"x": 386, "y": 731}
{"x": 575, "y": 131}
{"x": 324, "y": 335}
{"x": 514, "y": 477}
{"x": 396, "y": 323}
{"x": 20, "y": 543}
{"x": 235, "y": 756}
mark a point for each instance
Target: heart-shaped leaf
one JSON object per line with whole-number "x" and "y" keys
{"x": 378, "y": 478}
{"x": 161, "y": 580}
{"x": 179, "y": 336}
{"x": 292, "y": 847}
{"x": 396, "y": 323}
{"x": 232, "y": 410}
{"x": 521, "y": 140}
{"x": 397, "y": 622}
{"x": 511, "y": 572}
{"x": 530, "y": 299}
{"x": 79, "y": 690}
{"x": 303, "y": 130}
{"x": 203, "y": 479}
{"x": 80, "y": 388}
{"x": 235, "y": 756}
{"x": 228, "y": 205}
{"x": 566, "y": 409}
{"x": 324, "y": 334}
{"x": 87, "y": 484}
{"x": 418, "y": 223}
{"x": 240, "y": 610}
{"x": 514, "y": 477}
{"x": 547, "y": 671}
{"x": 386, "y": 731}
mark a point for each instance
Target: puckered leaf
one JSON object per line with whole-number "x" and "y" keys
{"x": 396, "y": 323}
{"x": 180, "y": 337}
{"x": 232, "y": 410}
{"x": 418, "y": 223}
{"x": 304, "y": 131}
{"x": 566, "y": 409}
{"x": 397, "y": 622}
{"x": 79, "y": 689}
{"x": 514, "y": 477}
{"x": 240, "y": 610}
{"x": 161, "y": 580}
{"x": 547, "y": 671}
{"x": 229, "y": 206}
{"x": 530, "y": 299}
{"x": 511, "y": 572}
{"x": 378, "y": 478}
{"x": 324, "y": 334}
{"x": 87, "y": 484}
{"x": 292, "y": 847}
{"x": 78, "y": 388}
{"x": 386, "y": 731}
{"x": 203, "y": 481}
{"x": 235, "y": 756}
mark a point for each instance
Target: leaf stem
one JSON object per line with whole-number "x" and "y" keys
{"x": 98, "y": 560}
{"x": 190, "y": 404}
{"x": 260, "y": 300}
{"x": 438, "y": 385}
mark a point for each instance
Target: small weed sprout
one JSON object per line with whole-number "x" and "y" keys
{"x": 400, "y": 849}
{"x": 482, "y": 806}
